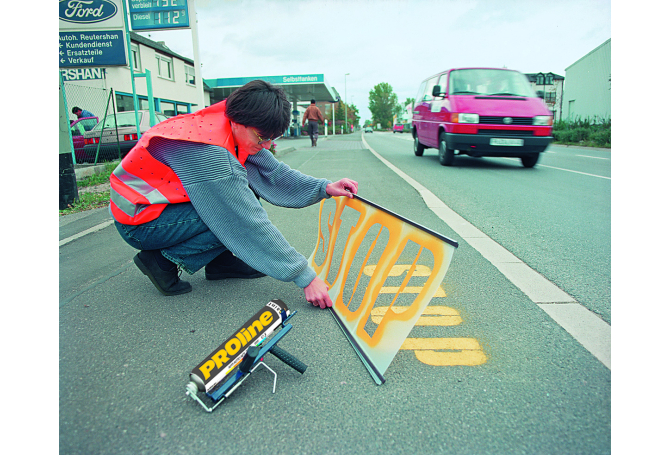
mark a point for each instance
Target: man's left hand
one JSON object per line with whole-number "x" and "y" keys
{"x": 344, "y": 187}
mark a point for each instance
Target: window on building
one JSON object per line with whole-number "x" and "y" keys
{"x": 168, "y": 108}
{"x": 190, "y": 75}
{"x": 165, "y": 67}
{"x": 135, "y": 52}
{"x": 182, "y": 109}
{"x": 540, "y": 79}
{"x": 125, "y": 103}
{"x": 550, "y": 97}
{"x": 549, "y": 80}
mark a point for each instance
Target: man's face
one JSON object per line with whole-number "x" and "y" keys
{"x": 248, "y": 139}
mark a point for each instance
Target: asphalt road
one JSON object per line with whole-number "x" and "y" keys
{"x": 518, "y": 382}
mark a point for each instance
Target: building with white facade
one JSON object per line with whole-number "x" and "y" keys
{"x": 172, "y": 80}
{"x": 588, "y": 87}
{"x": 549, "y": 87}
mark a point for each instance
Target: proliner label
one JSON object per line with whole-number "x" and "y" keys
{"x": 226, "y": 357}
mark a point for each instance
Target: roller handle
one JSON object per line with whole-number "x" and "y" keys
{"x": 288, "y": 359}
{"x": 249, "y": 359}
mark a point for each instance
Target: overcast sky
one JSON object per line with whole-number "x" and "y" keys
{"x": 400, "y": 42}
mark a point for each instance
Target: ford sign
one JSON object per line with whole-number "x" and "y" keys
{"x": 86, "y": 11}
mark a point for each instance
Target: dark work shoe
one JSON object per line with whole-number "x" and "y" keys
{"x": 226, "y": 265}
{"x": 167, "y": 282}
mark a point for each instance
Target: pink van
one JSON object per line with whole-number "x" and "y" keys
{"x": 480, "y": 112}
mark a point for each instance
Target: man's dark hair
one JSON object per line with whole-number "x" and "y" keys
{"x": 75, "y": 110}
{"x": 261, "y": 105}
{"x": 313, "y": 101}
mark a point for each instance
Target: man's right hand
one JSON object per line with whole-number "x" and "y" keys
{"x": 316, "y": 293}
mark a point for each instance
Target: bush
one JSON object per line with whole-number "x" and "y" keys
{"x": 603, "y": 138}
{"x": 585, "y": 132}
{"x": 578, "y": 134}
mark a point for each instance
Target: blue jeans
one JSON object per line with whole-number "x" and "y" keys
{"x": 179, "y": 233}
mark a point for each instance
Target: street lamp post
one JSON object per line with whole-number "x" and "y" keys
{"x": 346, "y": 128}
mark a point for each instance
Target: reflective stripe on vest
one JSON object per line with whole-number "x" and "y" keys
{"x": 123, "y": 204}
{"x": 152, "y": 194}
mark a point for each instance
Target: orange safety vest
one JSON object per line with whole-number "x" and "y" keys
{"x": 142, "y": 186}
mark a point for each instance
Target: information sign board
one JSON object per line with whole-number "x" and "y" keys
{"x": 158, "y": 14}
{"x": 91, "y": 48}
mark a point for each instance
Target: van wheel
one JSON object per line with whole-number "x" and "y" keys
{"x": 445, "y": 154}
{"x": 530, "y": 160}
{"x": 418, "y": 147}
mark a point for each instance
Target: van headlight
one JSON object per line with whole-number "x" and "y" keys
{"x": 464, "y": 118}
{"x": 543, "y": 120}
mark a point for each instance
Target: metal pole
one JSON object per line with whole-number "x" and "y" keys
{"x": 150, "y": 95}
{"x": 116, "y": 123}
{"x": 132, "y": 69}
{"x": 196, "y": 53}
{"x": 152, "y": 105}
{"x": 69, "y": 130}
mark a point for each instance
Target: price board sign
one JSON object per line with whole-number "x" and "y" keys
{"x": 158, "y": 14}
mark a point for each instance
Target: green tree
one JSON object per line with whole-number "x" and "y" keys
{"x": 353, "y": 116}
{"x": 383, "y": 103}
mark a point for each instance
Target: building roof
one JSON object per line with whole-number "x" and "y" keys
{"x": 603, "y": 44}
{"x": 298, "y": 87}
{"x": 533, "y": 76}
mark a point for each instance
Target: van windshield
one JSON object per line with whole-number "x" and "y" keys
{"x": 489, "y": 82}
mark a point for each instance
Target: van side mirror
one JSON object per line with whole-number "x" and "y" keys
{"x": 436, "y": 91}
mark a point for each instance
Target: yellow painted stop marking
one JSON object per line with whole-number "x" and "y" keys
{"x": 446, "y": 351}
{"x": 432, "y": 315}
{"x": 431, "y": 351}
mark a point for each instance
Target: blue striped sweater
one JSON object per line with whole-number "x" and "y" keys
{"x": 219, "y": 189}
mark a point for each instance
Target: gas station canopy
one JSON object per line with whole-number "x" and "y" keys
{"x": 299, "y": 87}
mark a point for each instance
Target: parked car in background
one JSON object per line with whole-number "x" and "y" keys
{"x": 78, "y": 128}
{"x": 481, "y": 112}
{"x": 121, "y": 126}
{"x": 368, "y": 129}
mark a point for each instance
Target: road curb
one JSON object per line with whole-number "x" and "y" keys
{"x": 86, "y": 171}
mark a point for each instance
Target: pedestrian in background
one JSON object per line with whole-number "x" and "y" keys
{"x": 81, "y": 113}
{"x": 313, "y": 115}
{"x": 185, "y": 195}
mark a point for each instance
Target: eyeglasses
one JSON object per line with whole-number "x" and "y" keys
{"x": 261, "y": 140}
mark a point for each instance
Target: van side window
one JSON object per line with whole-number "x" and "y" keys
{"x": 443, "y": 83}
{"x": 419, "y": 95}
{"x": 428, "y": 93}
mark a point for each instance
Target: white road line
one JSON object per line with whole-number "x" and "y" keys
{"x": 594, "y": 157}
{"x": 86, "y": 232}
{"x": 586, "y": 327}
{"x": 576, "y": 172}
